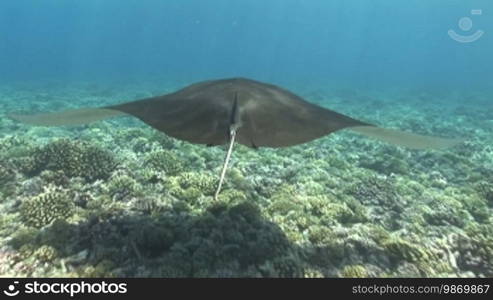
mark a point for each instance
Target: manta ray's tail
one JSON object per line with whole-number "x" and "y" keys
{"x": 69, "y": 117}
{"x": 405, "y": 139}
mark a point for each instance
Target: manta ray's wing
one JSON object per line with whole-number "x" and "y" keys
{"x": 68, "y": 117}
{"x": 288, "y": 121}
{"x": 198, "y": 120}
{"x": 406, "y": 139}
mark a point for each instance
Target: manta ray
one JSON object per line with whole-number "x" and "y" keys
{"x": 245, "y": 111}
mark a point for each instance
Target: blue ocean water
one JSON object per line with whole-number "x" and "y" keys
{"x": 370, "y": 43}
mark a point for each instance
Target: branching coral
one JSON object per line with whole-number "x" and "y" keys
{"x": 54, "y": 203}
{"x": 206, "y": 183}
{"x": 7, "y": 178}
{"x": 382, "y": 199}
{"x": 45, "y": 253}
{"x": 476, "y": 249}
{"x": 486, "y": 190}
{"x": 191, "y": 185}
{"x": 121, "y": 186}
{"x": 6, "y": 174}
{"x": 378, "y": 191}
{"x": 354, "y": 271}
{"x": 74, "y": 158}
{"x": 386, "y": 164}
{"x": 166, "y": 161}
{"x": 57, "y": 177}
{"x": 404, "y": 250}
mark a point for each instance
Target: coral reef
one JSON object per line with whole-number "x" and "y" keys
{"x": 354, "y": 271}
{"x": 53, "y": 204}
{"x": 476, "y": 249}
{"x": 6, "y": 174}
{"x": 117, "y": 198}
{"x": 166, "y": 161}
{"x": 7, "y": 180}
{"x": 381, "y": 196}
{"x": 75, "y": 159}
{"x": 486, "y": 190}
{"x": 121, "y": 186}
{"x": 403, "y": 250}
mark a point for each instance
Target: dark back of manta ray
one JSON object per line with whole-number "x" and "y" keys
{"x": 268, "y": 116}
